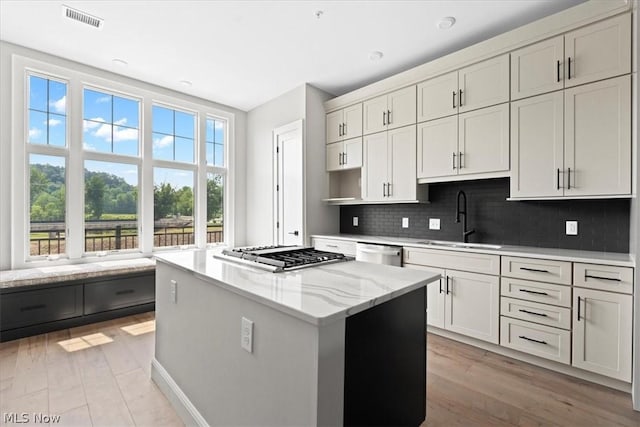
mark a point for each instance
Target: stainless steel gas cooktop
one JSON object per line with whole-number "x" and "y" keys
{"x": 280, "y": 258}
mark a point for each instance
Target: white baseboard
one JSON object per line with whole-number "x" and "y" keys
{"x": 181, "y": 403}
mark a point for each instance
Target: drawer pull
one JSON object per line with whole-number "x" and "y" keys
{"x": 522, "y": 337}
{"x": 535, "y": 270}
{"x": 33, "y": 307}
{"x": 331, "y": 246}
{"x": 587, "y": 276}
{"x": 534, "y": 313}
{"x": 533, "y": 292}
{"x": 126, "y": 291}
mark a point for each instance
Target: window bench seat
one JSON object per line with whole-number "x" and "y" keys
{"x": 44, "y": 299}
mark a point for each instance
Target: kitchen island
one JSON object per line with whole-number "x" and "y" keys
{"x": 337, "y": 344}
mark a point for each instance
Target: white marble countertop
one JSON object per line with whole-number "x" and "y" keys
{"x": 591, "y": 257}
{"x": 318, "y": 295}
{"x": 57, "y": 273}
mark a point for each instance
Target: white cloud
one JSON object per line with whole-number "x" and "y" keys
{"x": 60, "y": 106}
{"x": 92, "y": 123}
{"x": 163, "y": 142}
{"x": 121, "y": 122}
{"x": 125, "y": 134}
{"x": 34, "y": 133}
{"x": 219, "y": 125}
{"x": 104, "y": 132}
{"x": 54, "y": 122}
{"x": 103, "y": 99}
{"x": 88, "y": 146}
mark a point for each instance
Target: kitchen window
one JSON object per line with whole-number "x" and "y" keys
{"x": 126, "y": 172}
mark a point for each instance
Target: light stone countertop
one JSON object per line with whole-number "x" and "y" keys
{"x": 590, "y": 257}
{"x": 53, "y": 274}
{"x": 318, "y": 295}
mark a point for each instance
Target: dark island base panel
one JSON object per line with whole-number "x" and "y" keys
{"x": 603, "y": 224}
{"x": 386, "y": 365}
{"x": 14, "y": 334}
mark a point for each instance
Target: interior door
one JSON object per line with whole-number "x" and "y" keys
{"x": 289, "y": 177}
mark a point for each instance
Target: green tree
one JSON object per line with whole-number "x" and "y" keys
{"x": 164, "y": 200}
{"x": 94, "y": 196}
{"x": 214, "y": 197}
{"x": 184, "y": 201}
{"x": 38, "y": 182}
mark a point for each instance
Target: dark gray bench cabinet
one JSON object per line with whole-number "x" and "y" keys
{"x": 36, "y": 309}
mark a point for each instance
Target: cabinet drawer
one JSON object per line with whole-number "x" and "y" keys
{"x": 539, "y": 340}
{"x": 463, "y": 261}
{"x": 603, "y": 277}
{"x": 543, "y": 270}
{"x": 546, "y": 293}
{"x": 118, "y": 293}
{"x": 558, "y": 317}
{"x": 18, "y": 309}
{"x": 339, "y": 246}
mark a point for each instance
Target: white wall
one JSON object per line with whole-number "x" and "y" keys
{"x": 261, "y": 121}
{"x": 7, "y": 145}
{"x": 634, "y": 229}
{"x": 321, "y": 218}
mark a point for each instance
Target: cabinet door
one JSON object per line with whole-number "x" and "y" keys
{"x": 438, "y": 97}
{"x": 537, "y": 146}
{"x": 402, "y": 163}
{"x": 537, "y": 68}
{"x": 352, "y": 121}
{"x": 438, "y": 148}
{"x": 334, "y": 156}
{"x": 401, "y": 106}
{"x": 334, "y": 125}
{"x": 435, "y": 296}
{"x": 602, "y": 333}
{"x": 374, "y": 166}
{"x": 598, "y": 138}
{"x": 598, "y": 51}
{"x": 352, "y": 153}
{"x": 374, "y": 115}
{"x": 483, "y": 140}
{"x": 484, "y": 84}
{"x": 471, "y": 305}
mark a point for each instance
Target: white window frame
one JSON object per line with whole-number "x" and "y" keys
{"x": 75, "y": 156}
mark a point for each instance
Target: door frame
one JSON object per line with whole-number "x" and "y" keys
{"x": 278, "y": 232}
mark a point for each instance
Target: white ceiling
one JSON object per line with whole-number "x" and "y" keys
{"x": 244, "y": 53}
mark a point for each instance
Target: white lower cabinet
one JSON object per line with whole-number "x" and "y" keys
{"x": 463, "y": 302}
{"x": 602, "y": 332}
{"x": 539, "y": 340}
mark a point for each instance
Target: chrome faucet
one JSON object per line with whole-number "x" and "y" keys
{"x": 465, "y": 232}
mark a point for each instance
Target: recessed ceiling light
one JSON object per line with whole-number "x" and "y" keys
{"x": 376, "y": 55}
{"x": 119, "y": 62}
{"x": 446, "y": 23}
{"x": 186, "y": 83}
{"x": 318, "y": 14}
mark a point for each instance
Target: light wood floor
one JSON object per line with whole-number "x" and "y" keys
{"x": 98, "y": 375}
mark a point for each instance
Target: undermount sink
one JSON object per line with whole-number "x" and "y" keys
{"x": 458, "y": 244}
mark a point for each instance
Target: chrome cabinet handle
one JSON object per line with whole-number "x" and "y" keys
{"x": 454, "y": 161}
{"x": 344, "y": 158}
{"x": 460, "y": 98}
{"x": 388, "y": 117}
{"x": 460, "y": 164}
{"x": 340, "y": 159}
{"x": 454, "y": 99}
{"x": 344, "y": 129}
{"x": 388, "y": 189}
{"x": 384, "y": 189}
{"x": 339, "y": 130}
{"x": 384, "y": 118}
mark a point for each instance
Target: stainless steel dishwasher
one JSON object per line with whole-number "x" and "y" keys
{"x": 379, "y": 254}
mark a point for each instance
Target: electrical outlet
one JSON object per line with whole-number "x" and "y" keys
{"x": 405, "y": 222}
{"x": 434, "y": 223}
{"x": 246, "y": 335}
{"x": 174, "y": 291}
{"x": 355, "y": 221}
{"x": 572, "y": 228}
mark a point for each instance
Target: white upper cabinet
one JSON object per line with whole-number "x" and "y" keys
{"x": 537, "y": 68}
{"x": 390, "y": 111}
{"x": 472, "y": 143}
{"x": 344, "y": 124}
{"x": 437, "y": 97}
{"x": 595, "y": 52}
{"x": 483, "y": 140}
{"x": 344, "y": 155}
{"x": 598, "y": 51}
{"x": 389, "y": 166}
{"x": 480, "y": 85}
{"x": 537, "y": 146}
{"x": 598, "y": 138}
{"x": 483, "y": 84}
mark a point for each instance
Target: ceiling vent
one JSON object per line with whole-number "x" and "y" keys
{"x": 85, "y": 18}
